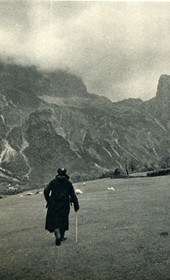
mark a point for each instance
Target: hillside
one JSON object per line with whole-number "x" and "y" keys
{"x": 122, "y": 234}
{"x": 49, "y": 120}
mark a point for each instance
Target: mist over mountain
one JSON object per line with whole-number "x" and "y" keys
{"x": 49, "y": 120}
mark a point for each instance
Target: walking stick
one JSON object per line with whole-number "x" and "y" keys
{"x": 76, "y": 225}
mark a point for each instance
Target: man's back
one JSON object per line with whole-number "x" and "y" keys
{"x": 60, "y": 188}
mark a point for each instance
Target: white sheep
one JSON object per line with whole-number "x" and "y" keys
{"x": 111, "y": 189}
{"x": 29, "y": 193}
{"x": 78, "y": 191}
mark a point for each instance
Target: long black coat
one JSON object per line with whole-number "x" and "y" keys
{"x": 58, "y": 194}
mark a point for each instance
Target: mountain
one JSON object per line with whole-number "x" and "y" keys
{"x": 159, "y": 105}
{"x": 48, "y": 120}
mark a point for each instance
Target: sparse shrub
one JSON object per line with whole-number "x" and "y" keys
{"x": 108, "y": 174}
{"x": 120, "y": 173}
{"x": 164, "y": 161}
{"x": 161, "y": 172}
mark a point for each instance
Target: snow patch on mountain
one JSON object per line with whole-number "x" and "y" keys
{"x": 7, "y": 153}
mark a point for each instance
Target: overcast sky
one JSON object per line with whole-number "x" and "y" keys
{"x": 120, "y": 49}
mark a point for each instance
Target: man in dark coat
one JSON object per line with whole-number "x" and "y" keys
{"x": 58, "y": 194}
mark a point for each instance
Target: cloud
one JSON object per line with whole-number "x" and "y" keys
{"x": 118, "y": 48}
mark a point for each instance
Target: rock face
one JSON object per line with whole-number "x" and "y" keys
{"x": 49, "y": 120}
{"x": 159, "y": 105}
{"x": 61, "y": 84}
{"x": 163, "y": 89}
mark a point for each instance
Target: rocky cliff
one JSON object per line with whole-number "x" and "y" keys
{"x": 48, "y": 120}
{"x": 160, "y": 104}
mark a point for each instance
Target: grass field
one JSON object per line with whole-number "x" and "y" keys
{"x": 122, "y": 234}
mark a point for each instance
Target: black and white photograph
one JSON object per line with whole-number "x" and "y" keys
{"x": 84, "y": 140}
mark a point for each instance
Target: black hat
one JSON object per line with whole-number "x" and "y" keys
{"x": 62, "y": 171}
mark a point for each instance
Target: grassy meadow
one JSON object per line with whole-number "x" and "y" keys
{"x": 123, "y": 234}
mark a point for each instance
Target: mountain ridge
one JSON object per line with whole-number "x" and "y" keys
{"x": 50, "y": 120}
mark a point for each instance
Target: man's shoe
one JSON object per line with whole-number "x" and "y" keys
{"x": 57, "y": 242}
{"x": 63, "y": 238}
